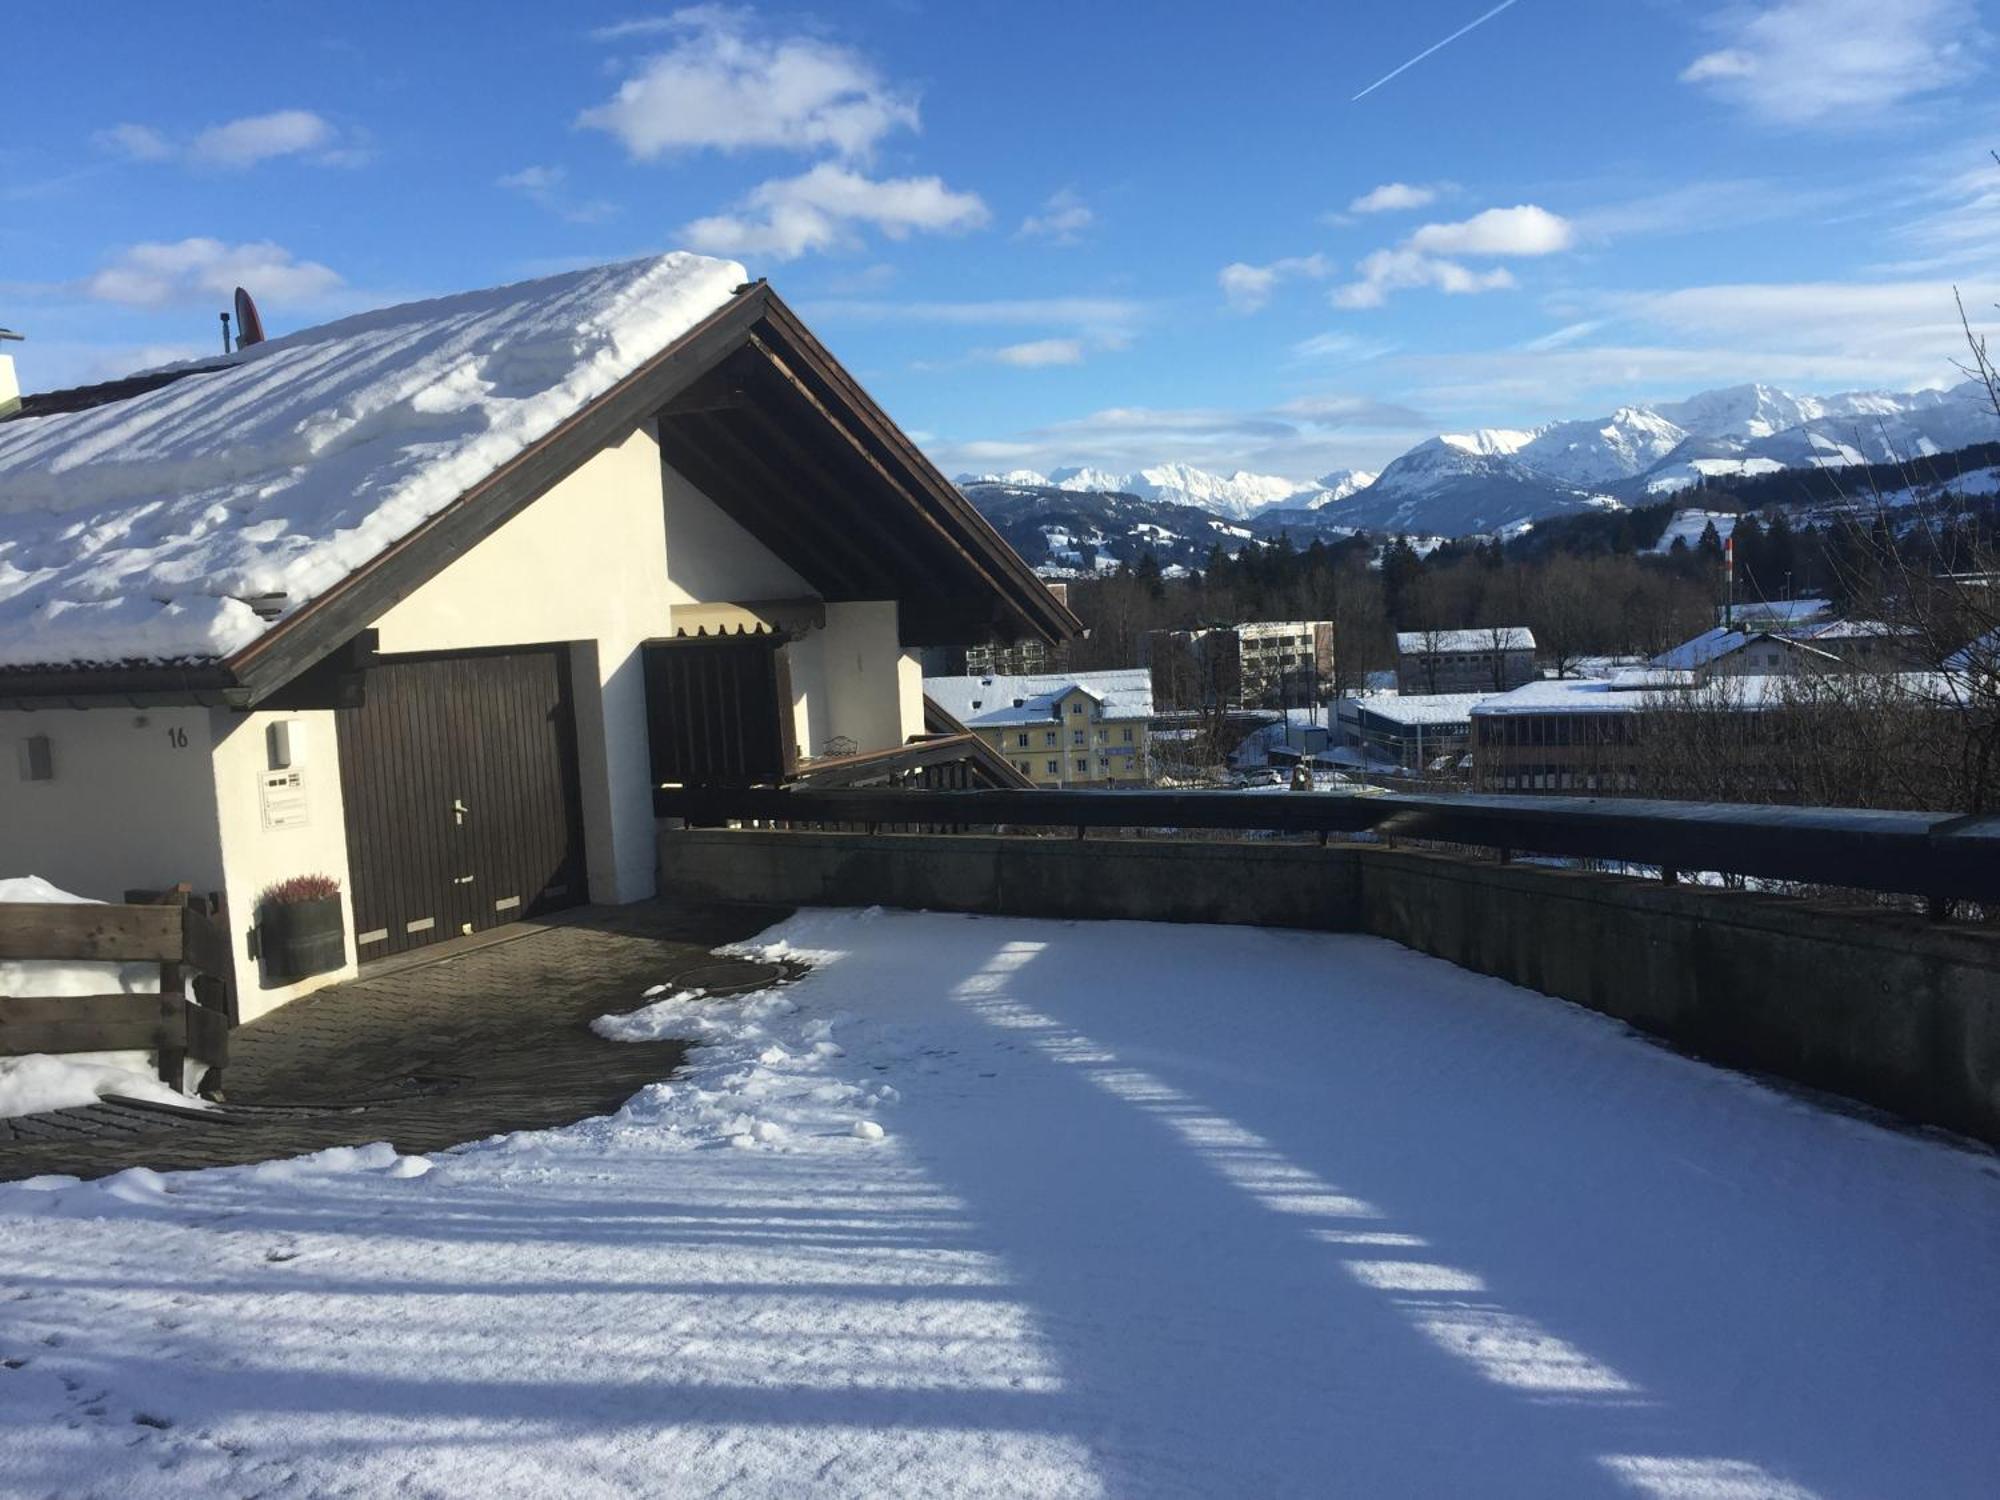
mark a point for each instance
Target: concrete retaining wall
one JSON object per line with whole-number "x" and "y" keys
{"x": 1886, "y": 1009}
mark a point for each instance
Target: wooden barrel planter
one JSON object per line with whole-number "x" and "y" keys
{"x": 300, "y": 930}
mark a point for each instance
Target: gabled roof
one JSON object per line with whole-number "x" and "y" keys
{"x": 216, "y": 535}
{"x": 1712, "y": 645}
{"x": 1447, "y": 642}
{"x": 997, "y": 700}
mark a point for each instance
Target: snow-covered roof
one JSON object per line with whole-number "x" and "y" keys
{"x": 1419, "y": 708}
{"x": 1627, "y": 693}
{"x": 137, "y": 530}
{"x": 1703, "y": 649}
{"x": 995, "y": 699}
{"x": 1639, "y": 691}
{"x": 1449, "y": 642}
{"x": 1855, "y": 630}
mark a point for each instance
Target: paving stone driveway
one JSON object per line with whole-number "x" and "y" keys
{"x": 425, "y": 1054}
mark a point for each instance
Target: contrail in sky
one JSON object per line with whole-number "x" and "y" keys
{"x": 1469, "y": 26}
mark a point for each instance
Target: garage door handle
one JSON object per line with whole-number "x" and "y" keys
{"x": 458, "y": 810}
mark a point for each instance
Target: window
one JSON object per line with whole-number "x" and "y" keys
{"x": 1104, "y": 763}
{"x": 1076, "y": 736}
{"x": 1050, "y": 739}
{"x": 1083, "y": 765}
{"x": 1103, "y": 736}
{"x": 1128, "y": 736}
{"x": 1021, "y": 742}
{"x": 1076, "y": 707}
{"x": 1055, "y": 768}
{"x": 1021, "y": 766}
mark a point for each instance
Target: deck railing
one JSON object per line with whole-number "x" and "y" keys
{"x": 1940, "y": 857}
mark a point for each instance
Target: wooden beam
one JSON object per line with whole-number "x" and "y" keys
{"x": 835, "y": 490}
{"x": 86, "y": 931}
{"x": 775, "y": 368}
{"x": 1042, "y": 611}
{"x": 800, "y": 532}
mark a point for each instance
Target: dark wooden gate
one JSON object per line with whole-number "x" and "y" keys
{"x": 718, "y": 711}
{"x": 460, "y": 778}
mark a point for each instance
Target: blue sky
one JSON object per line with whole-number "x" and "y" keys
{"x": 1056, "y": 233}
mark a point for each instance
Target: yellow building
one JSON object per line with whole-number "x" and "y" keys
{"x": 1080, "y": 729}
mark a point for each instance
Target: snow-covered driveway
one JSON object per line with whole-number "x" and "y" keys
{"x": 1154, "y": 1211}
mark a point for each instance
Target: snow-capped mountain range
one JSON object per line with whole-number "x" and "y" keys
{"x": 1236, "y": 496}
{"x": 1459, "y": 483}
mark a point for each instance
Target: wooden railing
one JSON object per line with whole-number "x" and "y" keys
{"x": 190, "y": 1017}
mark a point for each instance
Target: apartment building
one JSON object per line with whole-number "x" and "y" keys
{"x": 1081, "y": 729}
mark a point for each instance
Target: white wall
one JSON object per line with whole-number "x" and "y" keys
{"x": 712, "y": 560}
{"x": 853, "y": 680}
{"x": 131, "y": 805}
{"x": 303, "y": 833}
{"x": 586, "y": 564}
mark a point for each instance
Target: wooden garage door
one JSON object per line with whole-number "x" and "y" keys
{"x": 459, "y": 775}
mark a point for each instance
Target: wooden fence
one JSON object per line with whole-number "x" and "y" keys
{"x": 190, "y": 1017}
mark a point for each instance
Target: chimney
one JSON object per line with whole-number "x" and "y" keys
{"x": 10, "y": 388}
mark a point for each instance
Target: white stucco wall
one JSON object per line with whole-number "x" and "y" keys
{"x": 853, "y": 680}
{"x": 131, "y": 804}
{"x": 712, "y": 560}
{"x": 268, "y": 837}
{"x": 586, "y": 564}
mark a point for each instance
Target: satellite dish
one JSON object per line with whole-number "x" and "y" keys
{"x": 249, "y": 327}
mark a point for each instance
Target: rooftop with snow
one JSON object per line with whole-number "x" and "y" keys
{"x": 179, "y": 524}
{"x": 976, "y": 701}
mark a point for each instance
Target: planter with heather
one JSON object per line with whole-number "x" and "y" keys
{"x": 300, "y": 929}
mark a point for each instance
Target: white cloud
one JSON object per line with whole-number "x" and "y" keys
{"x": 1522, "y": 230}
{"x": 1393, "y": 197}
{"x": 548, "y": 187}
{"x": 1424, "y": 258}
{"x": 820, "y": 209}
{"x": 1339, "y": 348}
{"x": 236, "y": 144}
{"x": 1839, "y": 62}
{"x": 1301, "y": 437}
{"x": 1062, "y": 220}
{"x": 1247, "y": 288}
{"x": 1102, "y": 313}
{"x": 158, "y": 274}
{"x": 1809, "y": 336}
{"x": 723, "y": 86}
{"x": 1400, "y": 269}
{"x": 255, "y": 138}
{"x": 1040, "y": 353}
{"x": 137, "y": 142}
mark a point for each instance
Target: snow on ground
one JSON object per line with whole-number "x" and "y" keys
{"x": 1154, "y": 1211}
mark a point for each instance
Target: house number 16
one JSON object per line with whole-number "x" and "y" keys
{"x": 177, "y": 737}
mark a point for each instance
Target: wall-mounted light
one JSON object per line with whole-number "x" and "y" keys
{"x": 285, "y": 741}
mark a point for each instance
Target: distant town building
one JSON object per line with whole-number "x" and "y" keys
{"x": 1577, "y": 734}
{"x": 1259, "y": 664}
{"x": 1742, "y": 653}
{"x": 1656, "y": 730}
{"x": 1063, "y": 730}
{"x": 1415, "y": 734}
{"x": 1491, "y": 659}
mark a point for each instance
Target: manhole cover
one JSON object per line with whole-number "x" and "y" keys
{"x": 727, "y": 976}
